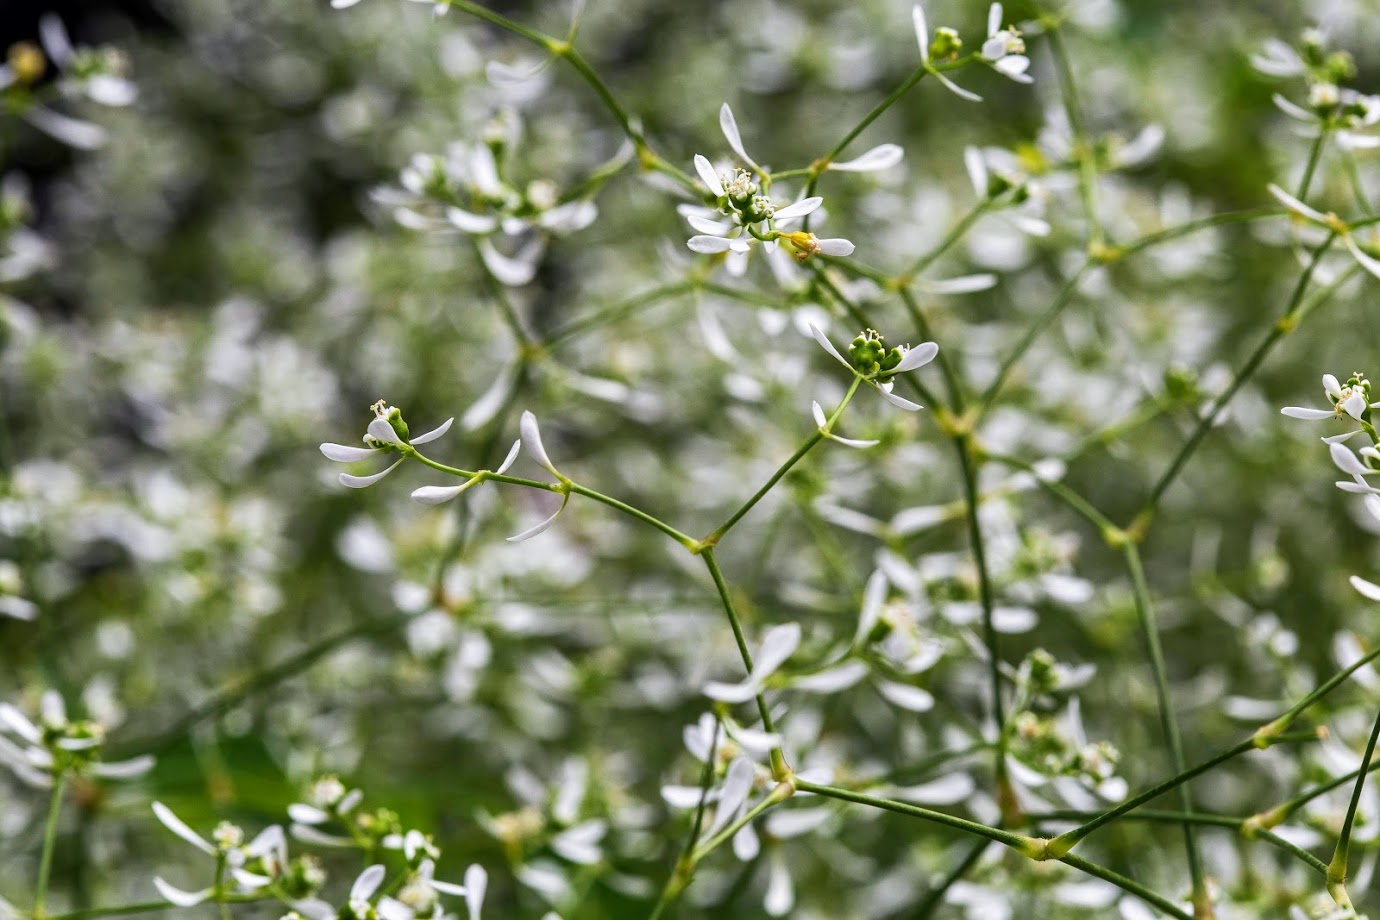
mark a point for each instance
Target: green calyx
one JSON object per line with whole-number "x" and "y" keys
{"x": 870, "y": 355}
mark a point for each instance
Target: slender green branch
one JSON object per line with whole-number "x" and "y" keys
{"x": 619, "y": 311}
{"x": 50, "y": 833}
{"x": 946, "y": 368}
{"x": 956, "y": 233}
{"x": 1128, "y": 885}
{"x": 1082, "y": 146}
{"x": 1278, "y": 331}
{"x": 1169, "y": 723}
{"x": 1005, "y": 794}
{"x": 1032, "y": 332}
{"x": 935, "y": 896}
{"x": 810, "y": 442}
{"x": 778, "y": 795}
{"x": 1336, "y": 869}
{"x": 1060, "y": 491}
{"x": 684, "y": 868}
{"x": 778, "y": 758}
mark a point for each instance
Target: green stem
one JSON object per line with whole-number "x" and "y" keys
{"x": 1032, "y": 332}
{"x": 1314, "y": 156}
{"x": 778, "y": 795}
{"x": 143, "y": 907}
{"x": 778, "y": 758}
{"x": 956, "y": 233}
{"x": 1082, "y": 148}
{"x": 810, "y": 442}
{"x": 1060, "y": 491}
{"x": 1005, "y": 795}
{"x": 684, "y": 868}
{"x": 1281, "y": 328}
{"x": 50, "y": 832}
{"x": 1169, "y": 723}
{"x": 1336, "y": 869}
{"x": 946, "y": 368}
{"x": 935, "y": 896}
{"x": 618, "y": 311}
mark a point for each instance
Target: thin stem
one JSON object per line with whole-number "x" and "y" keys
{"x": 778, "y": 795}
{"x": 580, "y": 325}
{"x": 922, "y": 326}
{"x": 50, "y": 832}
{"x": 1280, "y": 329}
{"x": 1127, "y": 885}
{"x": 685, "y": 540}
{"x": 1032, "y": 333}
{"x": 778, "y": 758}
{"x": 685, "y": 867}
{"x": 1005, "y": 795}
{"x": 1060, "y": 491}
{"x": 1169, "y": 723}
{"x": 935, "y": 896}
{"x": 1336, "y": 869}
{"x": 1314, "y": 156}
{"x": 1082, "y": 148}
{"x": 956, "y": 233}
{"x": 810, "y": 442}
{"x": 144, "y": 907}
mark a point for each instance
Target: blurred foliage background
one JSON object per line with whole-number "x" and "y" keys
{"x": 222, "y": 291}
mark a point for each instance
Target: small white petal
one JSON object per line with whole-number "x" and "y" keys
{"x": 828, "y": 345}
{"x": 912, "y": 699}
{"x": 124, "y": 769}
{"x": 314, "y": 908}
{"x": 704, "y": 225}
{"x": 175, "y": 824}
{"x": 779, "y": 643}
{"x": 436, "y": 495}
{"x": 505, "y": 75}
{"x": 976, "y": 165}
{"x": 708, "y": 176}
{"x": 922, "y": 32}
{"x": 729, "y": 125}
{"x": 1302, "y": 412}
{"x": 799, "y": 209}
{"x": 1355, "y": 406}
{"x": 71, "y": 131}
{"x": 818, "y": 412}
{"x": 1368, "y": 589}
{"x": 20, "y": 724}
{"x": 367, "y": 883}
{"x": 1357, "y": 488}
{"x": 531, "y": 438}
{"x": 392, "y": 909}
{"x": 1332, "y": 386}
{"x": 883, "y": 156}
{"x": 362, "y": 482}
{"x": 1293, "y": 110}
{"x": 476, "y": 883}
{"x": 471, "y": 223}
{"x": 918, "y": 356}
{"x": 53, "y": 36}
{"x": 342, "y": 5}
{"x": 780, "y": 896}
{"x": 531, "y": 532}
{"x": 1346, "y": 461}
{"x": 898, "y": 401}
{"x": 835, "y": 247}
{"x": 308, "y": 834}
{"x": 1298, "y": 207}
{"x": 858, "y": 443}
{"x": 737, "y": 785}
{"x": 730, "y": 693}
{"x": 963, "y": 284}
{"x": 508, "y": 460}
{"x": 569, "y": 217}
{"x": 434, "y": 433}
{"x": 1369, "y": 263}
{"x": 1015, "y": 67}
{"x": 447, "y": 887}
{"x": 380, "y": 430}
{"x": 709, "y": 245}
{"x": 178, "y": 896}
{"x": 956, "y": 89}
{"x": 834, "y": 679}
{"x": 346, "y": 454}
{"x": 994, "y": 14}
{"x": 515, "y": 270}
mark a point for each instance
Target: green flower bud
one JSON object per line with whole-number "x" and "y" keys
{"x": 946, "y": 44}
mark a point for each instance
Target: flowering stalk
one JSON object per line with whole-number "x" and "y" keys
{"x": 45, "y": 860}
{"x": 1337, "y": 868}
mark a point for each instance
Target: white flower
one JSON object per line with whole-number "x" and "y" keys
{"x": 254, "y": 865}
{"x": 881, "y": 364}
{"x": 742, "y": 215}
{"x": 883, "y": 156}
{"x": 531, "y": 439}
{"x": 1278, "y": 59}
{"x": 1330, "y": 222}
{"x": 922, "y": 38}
{"x": 1005, "y": 48}
{"x": 435, "y": 495}
{"x": 1350, "y": 399}
{"x": 93, "y": 73}
{"x": 778, "y": 644}
{"x": 823, "y": 423}
{"x": 380, "y": 438}
{"x": 39, "y": 752}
